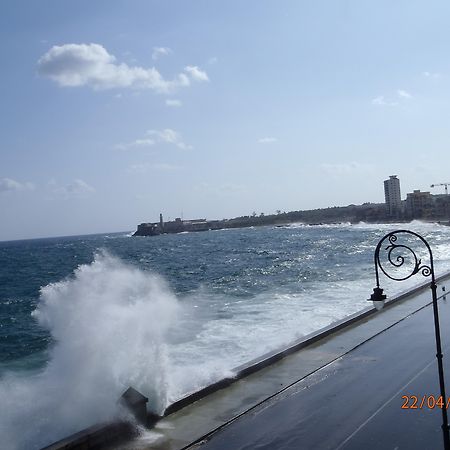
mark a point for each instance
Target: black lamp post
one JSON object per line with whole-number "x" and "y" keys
{"x": 393, "y": 258}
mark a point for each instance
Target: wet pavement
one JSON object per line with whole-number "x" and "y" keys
{"x": 342, "y": 390}
{"x": 356, "y": 401}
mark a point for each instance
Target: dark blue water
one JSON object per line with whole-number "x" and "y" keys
{"x": 239, "y": 263}
{"x": 168, "y": 313}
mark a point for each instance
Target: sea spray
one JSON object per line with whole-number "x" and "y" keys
{"x": 239, "y": 294}
{"x": 109, "y": 323}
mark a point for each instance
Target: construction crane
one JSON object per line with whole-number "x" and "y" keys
{"x": 442, "y": 184}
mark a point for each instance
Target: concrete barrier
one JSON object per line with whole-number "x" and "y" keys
{"x": 97, "y": 437}
{"x": 104, "y": 435}
{"x": 271, "y": 357}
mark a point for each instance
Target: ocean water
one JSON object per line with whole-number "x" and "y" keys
{"x": 82, "y": 318}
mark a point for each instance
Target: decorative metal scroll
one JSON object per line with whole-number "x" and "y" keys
{"x": 402, "y": 255}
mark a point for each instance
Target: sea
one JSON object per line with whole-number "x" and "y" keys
{"x": 83, "y": 318}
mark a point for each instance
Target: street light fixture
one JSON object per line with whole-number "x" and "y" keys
{"x": 395, "y": 258}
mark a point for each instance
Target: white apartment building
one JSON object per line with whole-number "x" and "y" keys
{"x": 392, "y": 195}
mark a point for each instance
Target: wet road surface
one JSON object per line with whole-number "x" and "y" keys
{"x": 356, "y": 402}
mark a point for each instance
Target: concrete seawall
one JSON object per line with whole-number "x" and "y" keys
{"x": 194, "y": 417}
{"x": 276, "y": 355}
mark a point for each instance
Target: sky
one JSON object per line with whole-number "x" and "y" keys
{"x": 114, "y": 111}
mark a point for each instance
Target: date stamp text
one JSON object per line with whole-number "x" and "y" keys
{"x": 425, "y": 401}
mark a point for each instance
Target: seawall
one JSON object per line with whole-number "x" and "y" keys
{"x": 192, "y": 418}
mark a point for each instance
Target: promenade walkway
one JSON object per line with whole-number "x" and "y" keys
{"x": 344, "y": 391}
{"x": 356, "y": 402}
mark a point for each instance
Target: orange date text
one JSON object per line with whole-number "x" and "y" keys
{"x": 424, "y": 401}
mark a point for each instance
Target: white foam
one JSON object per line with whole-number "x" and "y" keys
{"x": 115, "y": 325}
{"x": 414, "y": 225}
{"x": 109, "y": 322}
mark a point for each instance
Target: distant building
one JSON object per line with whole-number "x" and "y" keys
{"x": 419, "y": 204}
{"x": 392, "y": 196}
{"x": 441, "y": 206}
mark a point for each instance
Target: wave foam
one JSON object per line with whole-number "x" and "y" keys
{"x": 109, "y": 322}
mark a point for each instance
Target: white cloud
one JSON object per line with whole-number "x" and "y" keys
{"x": 143, "y": 142}
{"x": 165, "y": 166}
{"x": 160, "y": 51}
{"x": 173, "y": 102}
{"x": 166, "y": 136}
{"x": 267, "y": 140}
{"x": 196, "y": 74}
{"x": 403, "y": 94}
{"x": 348, "y": 168}
{"x": 138, "y": 168}
{"x": 72, "y": 65}
{"x": 10, "y": 185}
{"x": 169, "y": 136}
{"x": 433, "y": 75}
{"x": 381, "y": 101}
{"x": 77, "y": 188}
{"x": 137, "y": 143}
{"x": 213, "y": 60}
{"x": 146, "y": 167}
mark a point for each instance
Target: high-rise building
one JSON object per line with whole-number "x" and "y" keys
{"x": 392, "y": 195}
{"x": 418, "y": 204}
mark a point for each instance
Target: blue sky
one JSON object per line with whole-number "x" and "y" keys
{"x": 114, "y": 111}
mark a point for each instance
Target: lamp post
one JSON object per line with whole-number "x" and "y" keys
{"x": 394, "y": 258}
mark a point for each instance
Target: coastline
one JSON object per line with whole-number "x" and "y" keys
{"x": 196, "y": 425}
{"x": 330, "y": 216}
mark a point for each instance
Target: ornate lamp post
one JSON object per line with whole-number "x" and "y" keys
{"x": 395, "y": 259}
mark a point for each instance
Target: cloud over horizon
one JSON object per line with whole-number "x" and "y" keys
{"x": 267, "y": 140}
{"x": 74, "y": 65}
{"x": 78, "y": 188}
{"x": 160, "y": 51}
{"x": 433, "y": 75}
{"x": 137, "y": 143}
{"x": 146, "y": 167}
{"x": 174, "y": 103}
{"x": 401, "y": 94}
{"x": 167, "y": 136}
{"x": 10, "y": 185}
{"x": 347, "y": 168}
{"x": 196, "y": 74}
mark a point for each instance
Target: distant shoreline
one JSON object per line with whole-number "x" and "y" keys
{"x": 374, "y": 213}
